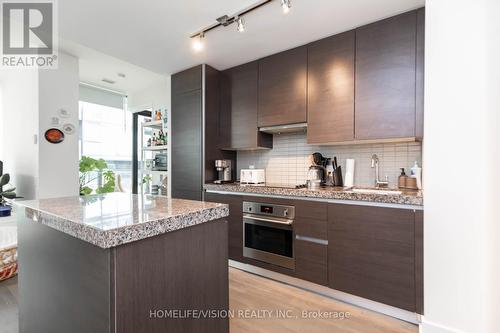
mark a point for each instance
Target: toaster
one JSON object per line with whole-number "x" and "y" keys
{"x": 252, "y": 176}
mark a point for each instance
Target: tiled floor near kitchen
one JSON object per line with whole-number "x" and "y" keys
{"x": 251, "y": 292}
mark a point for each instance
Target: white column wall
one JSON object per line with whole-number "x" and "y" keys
{"x": 460, "y": 158}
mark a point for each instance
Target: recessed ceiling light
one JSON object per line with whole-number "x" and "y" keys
{"x": 240, "y": 24}
{"x": 198, "y": 42}
{"x": 286, "y": 5}
{"x": 108, "y": 81}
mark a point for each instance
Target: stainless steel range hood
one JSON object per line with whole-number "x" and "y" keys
{"x": 292, "y": 128}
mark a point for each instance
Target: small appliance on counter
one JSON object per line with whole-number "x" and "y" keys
{"x": 316, "y": 176}
{"x": 252, "y": 176}
{"x": 160, "y": 162}
{"x": 323, "y": 172}
{"x": 224, "y": 171}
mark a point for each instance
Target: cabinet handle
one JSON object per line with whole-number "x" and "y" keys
{"x": 311, "y": 240}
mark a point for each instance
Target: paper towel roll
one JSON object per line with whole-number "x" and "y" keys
{"x": 349, "y": 173}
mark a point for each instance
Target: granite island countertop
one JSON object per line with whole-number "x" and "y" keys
{"x": 113, "y": 219}
{"x": 407, "y": 197}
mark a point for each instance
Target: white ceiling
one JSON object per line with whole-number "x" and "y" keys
{"x": 154, "y": 34}
{"x": 95, "y": 66}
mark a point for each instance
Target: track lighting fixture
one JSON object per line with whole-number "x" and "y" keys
{"x": 198, "y": 42}
{"x": 235, "y": 18}
{"x": 286, "y": 5}
{"x": 240, "y": 24}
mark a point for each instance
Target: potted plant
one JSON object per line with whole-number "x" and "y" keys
{"x": 8, "y": 193}
{"x": 92, "y": 169}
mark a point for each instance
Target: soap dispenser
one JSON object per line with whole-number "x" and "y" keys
{"x": 416, "y": 172}
{"x": 402, "y": 179}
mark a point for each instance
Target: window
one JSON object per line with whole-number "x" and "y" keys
{"x": 106, "y": 132}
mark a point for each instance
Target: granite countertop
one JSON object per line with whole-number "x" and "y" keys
{"x": 407, "y": 197}
{"x": 113, "y": 219}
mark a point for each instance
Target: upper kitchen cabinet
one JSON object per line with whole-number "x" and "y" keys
{"x": 239, "y": 108}
{"x": 283, "y": 88}
{"x": 330, "y": 91}
{"x": 386, "y": 72}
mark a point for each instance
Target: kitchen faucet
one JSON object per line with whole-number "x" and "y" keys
{"x": 378, "y": 182}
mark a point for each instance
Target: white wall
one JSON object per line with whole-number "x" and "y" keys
{"x": 18, "y": 126}
{"x": 156, "y": 96}
{"x": 58, "y": 163}
{"x": 29, "y": 99}
{"x": 461, "y": 195}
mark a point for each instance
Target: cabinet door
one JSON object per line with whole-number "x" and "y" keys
{"x": 311, "y": 261}
{"x": 419, "y": 95}
{"x": 187, "y": 80}
{"x": 240, "y": 98}
{"x": 186, "y": 145}
{"x": 371, "y": 253}
{"x": 235, "y": 221}
{"x": 283, "y": 88}
{"x": 385, "y": 78}
{"x": 330, "y": 89}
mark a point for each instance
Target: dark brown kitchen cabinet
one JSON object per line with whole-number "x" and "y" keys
{"x": 419, "y": 95}
{"x": 311, "y": 261}
{"x": 283, "y": 88}
{"x": 371, "y": 253}
{"x": 186, "y": 145}
{"x": 311, "y": 250}
{"x": 195, "y": 131}
{"x": 330, "y": 89}
{"x": 235, "y": 222}
{"x": 240, "y": 108}
{"x": 385, "y": 82}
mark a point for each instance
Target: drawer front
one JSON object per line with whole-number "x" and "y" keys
{"x": 311, "y": 260}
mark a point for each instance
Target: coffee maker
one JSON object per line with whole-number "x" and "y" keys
{"x": 224, "y": 171}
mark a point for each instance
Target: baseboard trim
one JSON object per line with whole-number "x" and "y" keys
{"x": 385, "y": 309}
{"x": 430, "y": 327}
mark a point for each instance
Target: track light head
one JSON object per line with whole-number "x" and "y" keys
{"x": 240, "y": 24}
{"x": 198, "y": 42}
{"x": 286, "y": 5}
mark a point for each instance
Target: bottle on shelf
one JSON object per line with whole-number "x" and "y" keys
{"x": 155, "y": 141}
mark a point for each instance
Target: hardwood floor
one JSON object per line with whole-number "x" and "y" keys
{"x": 8, "y": 306}
{"x": 251, "y": 296}
{"x": 251, "y": 292}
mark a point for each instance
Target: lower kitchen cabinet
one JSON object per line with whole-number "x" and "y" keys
{"x": 311, "y": 250}
{"x": 235, "y": 222}
{"x": 311, "y": 261}
{"x": 371, "y": 253}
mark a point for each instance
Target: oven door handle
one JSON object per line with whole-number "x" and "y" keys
{"x": 268, "y": 219}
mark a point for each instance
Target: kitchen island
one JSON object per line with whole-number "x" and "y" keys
{"x": 122, "y": 263}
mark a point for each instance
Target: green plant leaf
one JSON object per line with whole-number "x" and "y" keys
{"x": 4, "y": 179}
{"x": 9, "y": 195}
{"x": 101, "y": 164}
{"x": 87, "y": 164}
{"x": 85, "y": 190}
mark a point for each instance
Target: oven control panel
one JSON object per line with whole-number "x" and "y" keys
{"x": 268, "y": 209}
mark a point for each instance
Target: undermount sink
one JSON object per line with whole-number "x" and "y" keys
{"x": 376, "y": 191}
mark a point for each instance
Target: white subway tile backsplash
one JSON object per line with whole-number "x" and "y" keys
{"x": 288, "y": 161}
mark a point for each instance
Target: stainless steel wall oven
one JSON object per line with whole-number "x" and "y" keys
{"x": 268, "y": 234}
